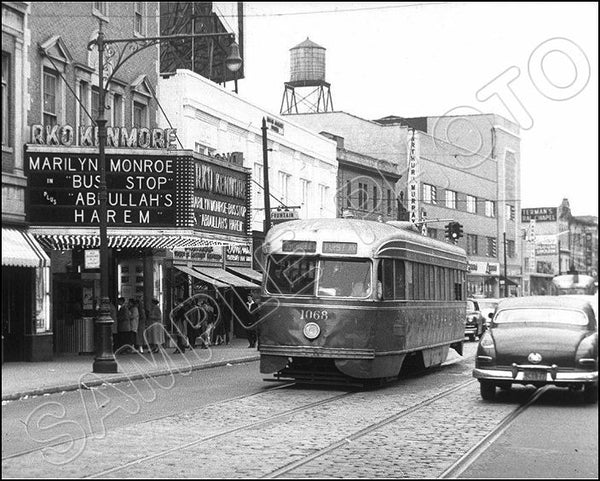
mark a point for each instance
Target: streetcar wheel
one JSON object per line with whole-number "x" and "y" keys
{"x": 590, "y": 393}
{"x": 487, "y": 390}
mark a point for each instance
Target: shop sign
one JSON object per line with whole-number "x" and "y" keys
{"x": 488, "y": 268}
{"x": 281, "y": 215}
{"x": 195, "y": 255}
{"x": 413, "y": 184}
{"x": 91, "y": 259}
{"x": 142, "y": 190}
{"x": 546, "y": 245}
{"x": 87, "y": 136}
{"x": 275, "y": 125}
{"x": 238, "y": 254}
{"x": 539, "y": 214}
{"x": 221, "y": 199}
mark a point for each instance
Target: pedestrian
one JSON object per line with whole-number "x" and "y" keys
{"x": 251, "y": 320}
{"x": 123, "y": 322}
{"x": 135, "y": 321}
{"x": 156, "y": 334}
{"x": 140, "y": 341}
{"x": 208, "y": 324}
{"x": 195, "y": 317}
{"x": 180, "y": 327}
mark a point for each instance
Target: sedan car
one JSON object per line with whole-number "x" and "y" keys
{"x": 487, "y": 306}
{"x": 475, "y": 324}
{"x": 540, "y": 340}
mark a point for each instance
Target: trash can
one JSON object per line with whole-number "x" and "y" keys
{"x": 85, "y": 335}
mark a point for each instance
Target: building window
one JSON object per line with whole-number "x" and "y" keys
{"x": 117, "y": 110}
{"x": 95, "y": 103}
{"x": 490, "y": 208}
{"x": 450, "y": 199}
{"x": 510, "y": 212}
{"x": 389, "y": 201}
{"x": 305, "y": 186}
{"x": 429, "y": 194}
{"x": 375, "y": 199}
{"x": 6, "y": 98}
{"x": 138, "y": 18}
{"x": 471, "y": 244}
{"x": 139, "y": 114}
{"x": 323, "y": 193}
{"x": 348, "y": 193}
{"x": 471, "y": 204}
{"x": 284, "y": 186}
{"x": 431, "y": 232}
{"x": 491, "y": 247}
{"x": 258, "y": 177}
{"x": 50, "y": 96}
{"x": 84, "y": 112}
{"x": 510, "y": 248}
{"x": 363, "y": 196}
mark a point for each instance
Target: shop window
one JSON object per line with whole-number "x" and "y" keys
{"x": 42, "y": 299}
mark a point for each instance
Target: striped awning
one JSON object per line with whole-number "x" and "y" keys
{"x": 64, "y": 241}
{"x": 246, "y": 273}
{"x": 227, "y": 277}
{"x": 197, "y": 275}
{"x": 20, "y": 249}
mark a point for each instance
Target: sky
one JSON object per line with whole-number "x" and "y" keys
{"x": 426, "y": 59}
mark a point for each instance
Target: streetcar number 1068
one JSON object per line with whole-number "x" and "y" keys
{"x": 314, "y": 315}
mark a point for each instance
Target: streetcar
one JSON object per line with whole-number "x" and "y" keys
{"x": 348, "y": 300}
{"x": 574, "y": 284}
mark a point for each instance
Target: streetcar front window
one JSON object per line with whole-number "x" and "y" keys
{"x": 291, "y": 275}
{"x": 345, "y": 278}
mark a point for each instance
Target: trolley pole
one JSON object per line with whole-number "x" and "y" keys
{"x": 266, "y": 193}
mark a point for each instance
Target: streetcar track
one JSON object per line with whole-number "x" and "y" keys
{"x": 479, "y": 448}
{"x": 256, "y": 424}
{"x": 373, "y": 427}
{"x": 91, "y": 435}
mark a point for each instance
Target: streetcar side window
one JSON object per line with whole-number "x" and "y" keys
{"x": 385, "y": 275}
{"x": 410, "y": 291}
{"x": 399, "y": 280}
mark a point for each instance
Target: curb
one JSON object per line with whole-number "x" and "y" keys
{"x": 125, "y": 377}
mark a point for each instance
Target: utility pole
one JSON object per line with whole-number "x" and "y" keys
{"x": 267, "y": 224}
{"x": 505, "y": 269}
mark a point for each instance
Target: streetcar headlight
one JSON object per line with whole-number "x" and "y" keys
{"x": 311, "y": 330}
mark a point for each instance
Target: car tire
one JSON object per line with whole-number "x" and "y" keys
{"x": 590, "y": 393}
{"x": 487, "y": 390}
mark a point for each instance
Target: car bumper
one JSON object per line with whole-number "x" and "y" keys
{"x": 551, "y": 377}
{"x": 470, "y": 330}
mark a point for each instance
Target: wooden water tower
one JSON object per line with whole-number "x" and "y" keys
{"x": 307, "y": 88}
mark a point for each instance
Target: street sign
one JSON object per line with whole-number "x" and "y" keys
{"x": 281, "y": 215}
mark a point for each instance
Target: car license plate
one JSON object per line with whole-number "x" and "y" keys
{"x": 534, "y": 375}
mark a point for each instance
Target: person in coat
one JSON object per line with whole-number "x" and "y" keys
{"x": 123, "y": 322}
{"x": 135, "y": 321}
{"x": 156, "y": 333}
{"x": 140, "y": 341}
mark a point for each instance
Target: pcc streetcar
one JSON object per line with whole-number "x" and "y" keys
{"x": 574, "y": 284}
{"x": 347, "y": 300}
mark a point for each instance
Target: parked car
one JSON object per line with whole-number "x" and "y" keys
{"x": 475, "y": 324}
{"x": 487, "y": 306}
{"x": 540, "y": 340}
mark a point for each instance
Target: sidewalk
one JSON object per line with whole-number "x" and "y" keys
{"x": 70, "y": 372}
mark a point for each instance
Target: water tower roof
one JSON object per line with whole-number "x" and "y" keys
{"x": 308, "y": 43}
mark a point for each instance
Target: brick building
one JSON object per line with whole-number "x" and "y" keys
{"x": 466, "y": 169}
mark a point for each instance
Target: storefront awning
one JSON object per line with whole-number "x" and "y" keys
{"x": 64, "y": 241}
{"x": 20, "y": 249}
{"x": 509, "y": 281}
{"x": 246, "y": 273}
{"x": 197, "y": 275}
{"x": 227, "y": 277}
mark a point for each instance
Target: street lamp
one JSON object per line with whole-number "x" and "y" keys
{"x": 104, "y": 361}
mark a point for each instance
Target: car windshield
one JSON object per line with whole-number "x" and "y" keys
{"x": 487, "y": 304}
{"x": 339, "y": 278}
{"x": 541, "y": 315}
{"x": 471, "y": 306}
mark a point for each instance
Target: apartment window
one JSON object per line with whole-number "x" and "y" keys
{"x": 490, "y": 208}
{"x": 429, "y": 194}
{"x": 451, "y": 199}
{"x": 375, "y": 199}
{"x": 139, "y": 114}
{"x": 510, "y": 212}
{"x": 6, "y": 98}
{"x": 117, "y": 110}
{"x": 284, "y": 186}
{"x": 510, "y": 248}
{"x": 83, "y": 107}
{"x": 389, "y": 201}
{"x": 138, "y": 18}
{"x": 471, "y": 244}
{"x": 305, "y": 187}
{"x": 323, "y": 193}
{"x": 471, "y": 204}
{"x": 95, "y": 103}
{"x": 363, "y": 196}
{"x": 258, "y": 177}
{"x": 348, "y": 193}
{"x": 491, "y": 247}
{"x": 50, "y": 96}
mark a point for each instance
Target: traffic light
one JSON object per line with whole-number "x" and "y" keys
{"x": 454, "y": 231}
{"x": 458, "y": 230}
{"x": 449, "y": 231}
